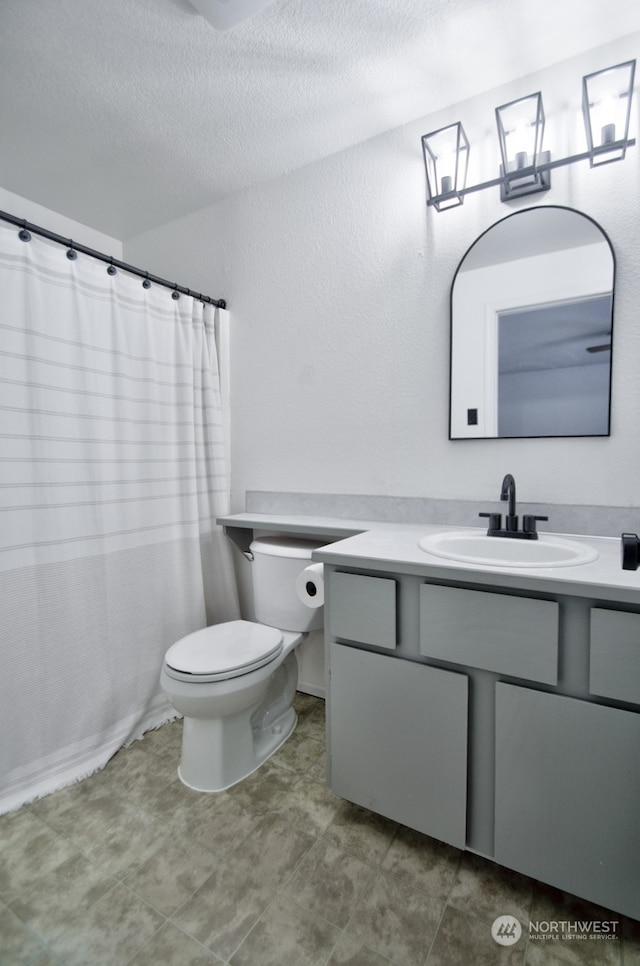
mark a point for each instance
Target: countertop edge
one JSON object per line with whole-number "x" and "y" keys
{"x": 392, "y": 547}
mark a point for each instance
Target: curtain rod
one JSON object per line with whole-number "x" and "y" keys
{"x": 27, "y": 226}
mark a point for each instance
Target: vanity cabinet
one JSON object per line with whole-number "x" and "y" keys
{"x": 501, "y": 720}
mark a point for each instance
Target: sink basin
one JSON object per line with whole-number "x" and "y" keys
{"x": 469, "y": 546}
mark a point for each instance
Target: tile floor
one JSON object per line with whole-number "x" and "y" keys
{"x": 130, "y": 867}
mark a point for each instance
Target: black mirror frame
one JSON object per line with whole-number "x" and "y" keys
{"x": 453, "y": 282}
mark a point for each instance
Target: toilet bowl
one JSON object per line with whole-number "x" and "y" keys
{"x": 235, "y": 682}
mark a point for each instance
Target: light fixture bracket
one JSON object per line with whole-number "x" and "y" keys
{"x": 520, "y": 181}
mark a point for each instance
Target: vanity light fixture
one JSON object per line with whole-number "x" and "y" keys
{"x": 526, "y": 167}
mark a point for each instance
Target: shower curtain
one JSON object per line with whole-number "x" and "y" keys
{"x": 112, "y": 473}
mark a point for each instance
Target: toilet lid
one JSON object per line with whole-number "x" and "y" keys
{"x": 229, "y": 649}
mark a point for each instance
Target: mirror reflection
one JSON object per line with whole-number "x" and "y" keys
{"x": 531, "y": 329}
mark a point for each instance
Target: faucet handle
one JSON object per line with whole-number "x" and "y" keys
{"x": 495, "y": 521}
{"x": 529, "y": 522}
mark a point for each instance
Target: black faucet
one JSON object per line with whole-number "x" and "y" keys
{"x": 528, "y": 532}
{"x": 508, "y": 492}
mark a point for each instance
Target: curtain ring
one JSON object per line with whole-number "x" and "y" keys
{"x": 111, "y": 268}
{"x": 146, "y": 283}
{"x": 71, "y": 252}
{"x": 175, "y": 294}
{"x": 23, "y": 234}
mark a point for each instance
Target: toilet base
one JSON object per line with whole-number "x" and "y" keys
{"x": 232, "y": 726}
{"x": 218, "y": 754}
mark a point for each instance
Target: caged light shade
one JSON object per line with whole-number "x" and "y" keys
{"x": 520, "y": 132}
{"x": 446, "y": 159}
{"x": 606, "y": 108}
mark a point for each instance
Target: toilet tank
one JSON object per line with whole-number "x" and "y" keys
{"x": 277, "y": 561}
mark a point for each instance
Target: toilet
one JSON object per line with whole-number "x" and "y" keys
{"x": 235, "y": 682}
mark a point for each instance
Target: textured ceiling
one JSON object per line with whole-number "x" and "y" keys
{"x": 126, "y": 114}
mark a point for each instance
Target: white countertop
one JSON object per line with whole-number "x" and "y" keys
{"x": 393, "y": 547}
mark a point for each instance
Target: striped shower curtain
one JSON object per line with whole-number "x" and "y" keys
{"x": 112, "y": 473}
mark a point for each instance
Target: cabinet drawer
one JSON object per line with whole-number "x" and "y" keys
{"x": 615, "y": 655}
{"x": 363, "y": 609}
{"x": 516, "y": 636}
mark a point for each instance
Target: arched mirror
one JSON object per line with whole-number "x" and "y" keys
{"x": 531, "y": 329}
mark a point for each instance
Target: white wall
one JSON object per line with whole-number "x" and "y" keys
{"x": 338, "y": 279}
{"x": 59, "y": 224}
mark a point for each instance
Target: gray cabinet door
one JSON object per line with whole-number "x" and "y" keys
{"x": 568, "y": 795}
{"x": 399, "y": 740}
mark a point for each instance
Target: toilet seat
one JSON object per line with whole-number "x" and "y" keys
{"x": 223, "y": 651}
